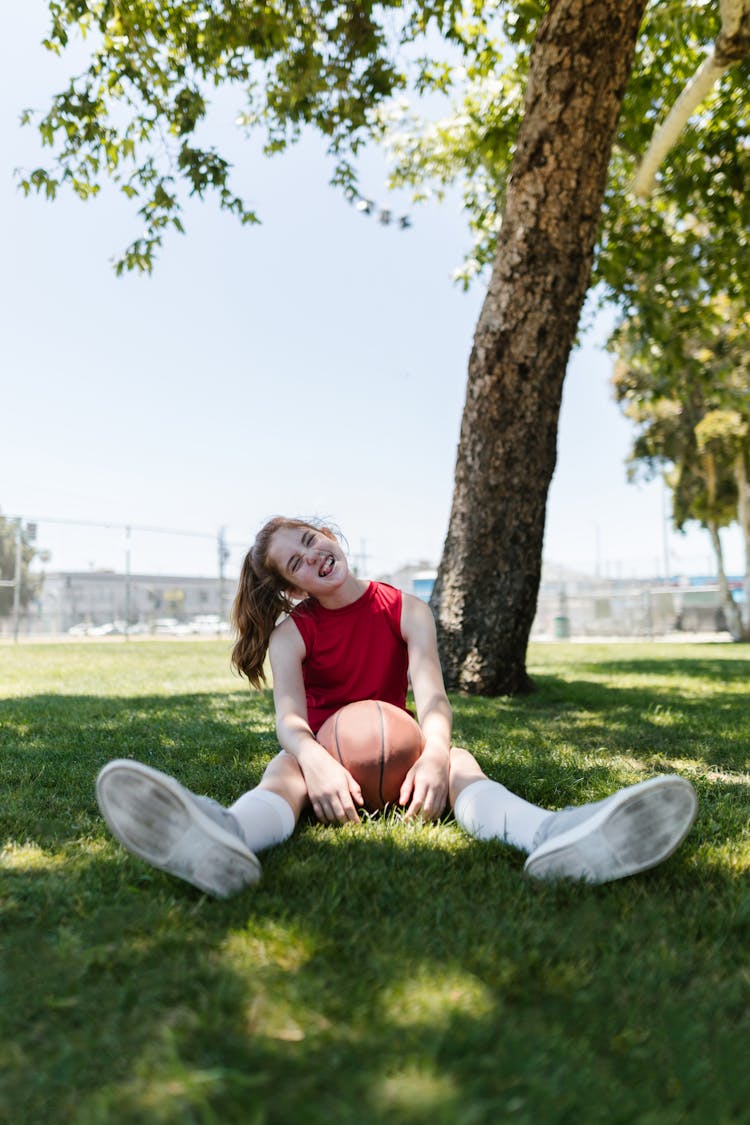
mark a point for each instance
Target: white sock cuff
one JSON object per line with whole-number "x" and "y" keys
{"x": 282, "y": 808}
{"x": 464, "y": 801}
{"x": 488, "y": 811}
{"x": 265, "y": 818}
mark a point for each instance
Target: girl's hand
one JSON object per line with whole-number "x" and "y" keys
{"x": 425, "y": 788}
{"x": 333, "y": 792}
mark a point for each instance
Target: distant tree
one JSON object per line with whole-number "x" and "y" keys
{"x": 685, "y": 383}
{"x": 29, "y": 583}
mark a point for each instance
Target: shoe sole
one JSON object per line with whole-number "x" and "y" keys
{"x": 155, "y": 818}
{"x": 639, "y": 828}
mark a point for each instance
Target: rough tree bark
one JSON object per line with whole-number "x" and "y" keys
{"x": 488, "y": 580}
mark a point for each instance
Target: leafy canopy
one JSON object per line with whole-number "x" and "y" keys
{"x": 701, "y": 186}
{"x": 135, "y": 112}
{"x": 684, "y": 381}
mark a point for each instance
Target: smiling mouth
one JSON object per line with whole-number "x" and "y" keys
{"x": 327, "y": 566}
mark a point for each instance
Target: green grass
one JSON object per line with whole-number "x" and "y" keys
{"x": 380, "y": 973}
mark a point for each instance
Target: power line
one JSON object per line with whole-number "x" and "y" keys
{"x": 119, "y": 526}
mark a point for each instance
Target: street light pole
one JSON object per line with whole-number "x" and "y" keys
{"x": 17, "y": 584}
{"x": 223, "y": 553}
{"x": 127, "y": 582}
{"x": 665, "y": 520}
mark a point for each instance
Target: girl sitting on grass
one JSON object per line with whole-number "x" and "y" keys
{"x": 333, "y": 639}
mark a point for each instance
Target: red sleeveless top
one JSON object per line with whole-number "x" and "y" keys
{"x": 356, "y": 652}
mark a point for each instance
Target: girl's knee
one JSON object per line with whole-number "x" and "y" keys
{"x": 464, "y": 770}
{"x": 283, "y": 775}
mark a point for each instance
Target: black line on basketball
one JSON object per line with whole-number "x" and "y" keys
{"x": 382, "y": 753}
{"x": 336, "y": 737}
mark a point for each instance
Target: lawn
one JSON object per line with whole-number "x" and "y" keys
{"x": 386, "y": 972}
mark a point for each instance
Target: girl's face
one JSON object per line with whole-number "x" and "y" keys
{"x": 308, "y": 559}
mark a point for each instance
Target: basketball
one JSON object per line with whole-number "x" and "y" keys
{"x": 378, "y": 743}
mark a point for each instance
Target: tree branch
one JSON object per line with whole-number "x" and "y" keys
{"x": 732, "y": 45}
{"x": 696, "y": 91}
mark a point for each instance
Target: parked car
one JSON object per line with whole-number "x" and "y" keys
{"x": 165, "y": 625}
{"x": 209, "y": 624}
{"x": 699, "y": 611}
{"x": 137, "y": 628}
{"x": 79, "y": 630}
{"x": 109, "y": 629}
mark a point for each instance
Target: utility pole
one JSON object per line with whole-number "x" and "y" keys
{"x": 223, "y": 552}
{"x": 10, "y": 584}
{"x": 17, "y": 584}
{"x": 362, "y": 559}
{"x": 665, "y": 520}
{"x": 127, "y": 582}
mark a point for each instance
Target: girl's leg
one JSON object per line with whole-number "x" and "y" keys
{"x": 486, "y": 809}
{"x": 196, "y": 838}
{"x": 162, "y": 822}
{"x": 267, "y": 814}
{"x": 634, "y": 829}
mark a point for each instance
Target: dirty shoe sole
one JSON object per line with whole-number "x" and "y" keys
{"x": 636, "y": 829}
{"x": 154, "y": 817}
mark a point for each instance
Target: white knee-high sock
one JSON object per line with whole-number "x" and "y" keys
{"x": 264, "y": 817}
{"x": 487, "y": 810}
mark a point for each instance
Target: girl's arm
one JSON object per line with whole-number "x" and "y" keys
{"x": 425, "y": 788}
{"x": 333, "y": 792}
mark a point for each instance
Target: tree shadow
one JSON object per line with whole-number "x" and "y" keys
{"x": 727, "y": 668}
{"x": 379, "y": 972}
{"x": 374, "y": 976}
{"x": 647, "y": 722}
{"x": 52, "y": 746}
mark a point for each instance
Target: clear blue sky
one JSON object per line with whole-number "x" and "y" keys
{"x": 313, "y": 365}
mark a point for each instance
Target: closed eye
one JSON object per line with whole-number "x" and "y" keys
{"x": 308, "y": 539}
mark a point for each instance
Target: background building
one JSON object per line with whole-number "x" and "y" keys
{"x": 569, "y": 604}
{"x": 95, "y": 599}
{"x": 414, "y": 578}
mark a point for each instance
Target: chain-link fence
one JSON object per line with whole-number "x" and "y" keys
{"x": 101, "y": 579}
{"x": 96, "y": 578}
{"x": 642, "y": 610}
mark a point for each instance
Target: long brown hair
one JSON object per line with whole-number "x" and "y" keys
{"x": 263, "y": 595}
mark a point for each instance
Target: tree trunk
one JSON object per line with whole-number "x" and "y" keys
{"x": 487, "y": 585}
{"x": 728, "y": 604}
{"x": 743, "y": 518}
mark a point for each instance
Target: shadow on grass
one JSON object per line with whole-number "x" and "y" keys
{"x": 381, "y": 972}
{"x": 52, "y": 747}
{"x": 717, "y": 667}
{"x": 572, "y": 741}
{"x": 646, "y": 721}
{"x": 374, "y": 975}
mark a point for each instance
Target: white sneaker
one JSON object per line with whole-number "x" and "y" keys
{"x": 632, "y": 830}
{"x": 157, "y": 819}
